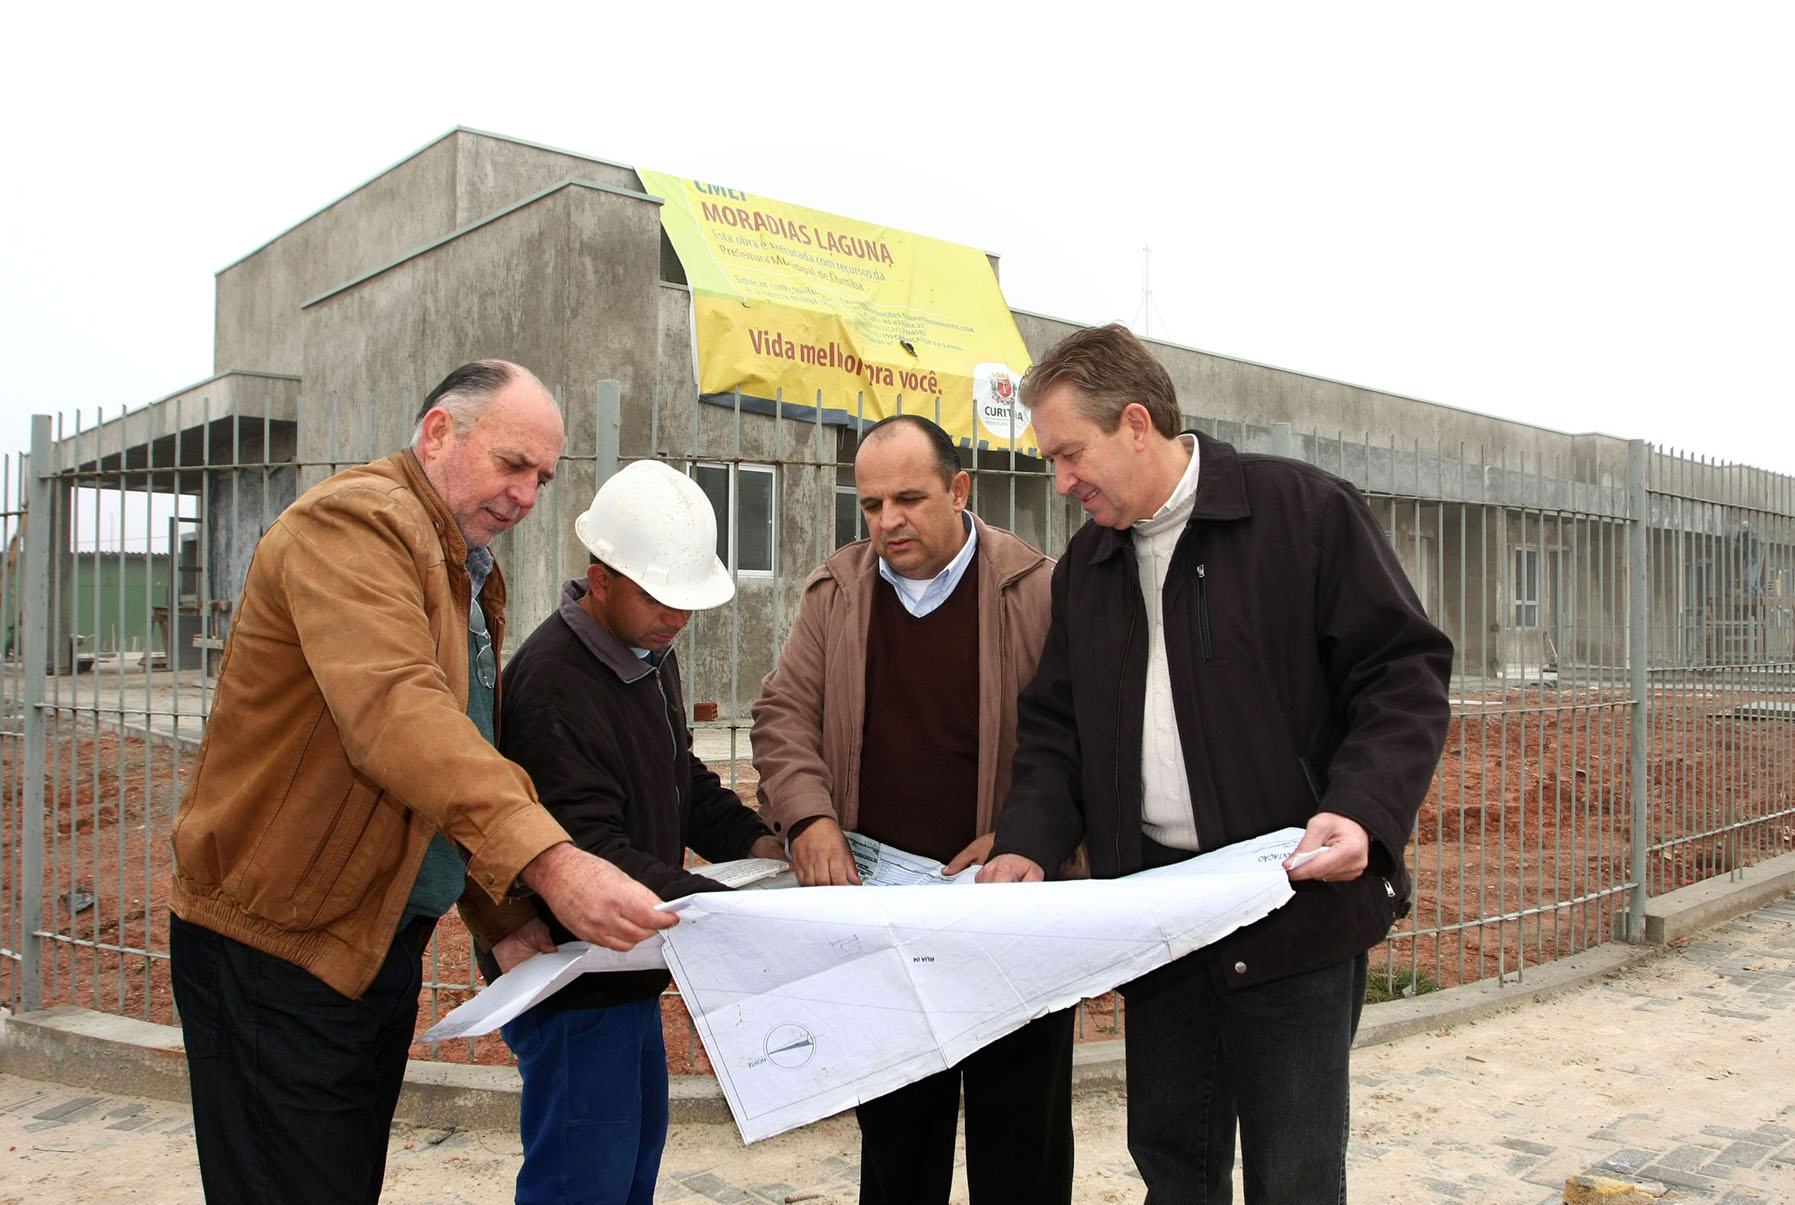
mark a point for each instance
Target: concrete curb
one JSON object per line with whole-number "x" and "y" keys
{"x": 1671, "y": 917}
{"x": 1678, "y": 914}
{"x": 1396, "y": 1019}
{"x": 87, "y": 1049}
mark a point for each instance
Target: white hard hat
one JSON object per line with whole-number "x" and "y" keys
{"x": 654, "y": 525}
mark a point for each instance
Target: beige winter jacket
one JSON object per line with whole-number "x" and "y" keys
{"x": 812, "y": 708}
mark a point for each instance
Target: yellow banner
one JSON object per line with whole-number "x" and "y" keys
{"x": 860, "y": 320}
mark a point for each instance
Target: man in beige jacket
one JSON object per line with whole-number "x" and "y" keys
{"x": 892, "y": 713}
{"x": 347, "y": 791}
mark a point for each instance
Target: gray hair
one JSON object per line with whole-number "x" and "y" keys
{"x": 465, "y": 393}
{"x": 1107, "y": 368}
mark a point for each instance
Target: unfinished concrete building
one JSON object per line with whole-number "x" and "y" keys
{"x": 477, "y": 245}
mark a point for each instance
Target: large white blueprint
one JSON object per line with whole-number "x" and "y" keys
{"x": 537, "y": 978}
{"x": 541, "y": 976}
{"x": 811, "y": 1001}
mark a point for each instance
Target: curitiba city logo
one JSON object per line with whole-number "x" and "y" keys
{"x": 1001, "y": 416}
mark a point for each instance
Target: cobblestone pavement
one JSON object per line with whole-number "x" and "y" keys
{"x": 1674, "y": 1074}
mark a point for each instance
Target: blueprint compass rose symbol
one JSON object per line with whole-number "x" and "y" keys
{"x": 789, "y": 1046}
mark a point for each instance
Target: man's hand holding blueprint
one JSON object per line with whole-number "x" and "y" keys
{"x": 809, "y": 1002}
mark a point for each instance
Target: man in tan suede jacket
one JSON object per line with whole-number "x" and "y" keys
{"x": 348, "y": 791}
{"x": 892, "y": 713}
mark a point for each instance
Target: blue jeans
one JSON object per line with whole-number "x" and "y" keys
{"x": 293, "y": 1084}
{"x": 594, "y": 1102}
{"x": 1272, "y": 1058}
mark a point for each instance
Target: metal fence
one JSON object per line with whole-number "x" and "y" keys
{"x": 1623, "y": 711}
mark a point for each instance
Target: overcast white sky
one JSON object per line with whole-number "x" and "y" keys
{"x": 1575, "y": 215}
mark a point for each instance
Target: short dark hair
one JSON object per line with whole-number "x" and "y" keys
{"x": 464, "y": 393}
{"x": 1107, "y": 368}
{"x": 947, "y": 457}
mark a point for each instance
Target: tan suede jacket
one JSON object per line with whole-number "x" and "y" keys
{"x": 339, "y": 739}
{"x": 811, "y": 712}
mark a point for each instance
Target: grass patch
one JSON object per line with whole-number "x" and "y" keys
{"x": 1383, "y": 984}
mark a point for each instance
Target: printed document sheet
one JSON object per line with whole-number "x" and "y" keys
{"x": 812, "y": 1001}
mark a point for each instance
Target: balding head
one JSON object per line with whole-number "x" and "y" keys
{"x": 465, "y": 393}
{"x": 913, "y": 494}
{"x": 488, "y": 439}
{"x": 940, "y": 444}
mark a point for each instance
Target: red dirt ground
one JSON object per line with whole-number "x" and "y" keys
{"x": 1526, "y": 821}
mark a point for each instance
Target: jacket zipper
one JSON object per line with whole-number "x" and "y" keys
{"x": 666, "y": 710}
{"x": 673, "y": 738}
{"x": 1203, "y": 614}
{"x": 1121, "y": 678}
{"x": 1309, "y": 777}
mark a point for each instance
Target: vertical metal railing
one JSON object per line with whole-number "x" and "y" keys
{"x": 12, "y": 508}
{"x": 1638, "y": 653}
{"x": 39, "y": 524}
{"x": 1628, "y": 730}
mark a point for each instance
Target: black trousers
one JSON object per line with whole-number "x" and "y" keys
{"x": 293, "y": 1084}
{"x": 1018, "y": 1125}
{"x": 1269, "y": 1061}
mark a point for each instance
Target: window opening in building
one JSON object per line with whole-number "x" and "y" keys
{"x": 1526, "y": 588}
{"x": 848, "y": 524}
{"x": 744, "y": 498}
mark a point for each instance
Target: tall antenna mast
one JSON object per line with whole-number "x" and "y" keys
{"x": 1143, "y": 317}
{"x": 1147, "y": 292}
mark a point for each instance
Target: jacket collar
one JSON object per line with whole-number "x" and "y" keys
{"x": 454, "y": 545}
{"x": 1002, "y": 556}
{"x": 611, "y": 652}
{"x": 1221, "y": 496}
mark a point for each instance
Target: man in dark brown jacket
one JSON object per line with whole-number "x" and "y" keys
{"x": 893, "y": 713}
{"x": 347, "y": 772}
{"x": 1234, "y": 649}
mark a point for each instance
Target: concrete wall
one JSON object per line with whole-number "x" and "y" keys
{"x": 257, "y": 298}
{"x": 564, "y": 285}
{"x": 492, "y": 173}
{"x": 459, "y": 179}
{"x": 428, "y": 265}
{"x": 240, "y": 506}
{"x": 1212, "y": 386}
{"x": 1731, "y": 484}
{"x": 736, "y": 646}
{"x": 477, "y": 245}
{"x": 220, "y": 417}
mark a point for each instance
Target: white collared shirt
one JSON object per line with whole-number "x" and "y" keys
{"x": 920, "y": 596}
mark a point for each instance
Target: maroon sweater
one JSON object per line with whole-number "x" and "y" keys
{"x": 920, "y": 751}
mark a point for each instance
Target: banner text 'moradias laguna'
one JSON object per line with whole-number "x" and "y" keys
{"x": 739, "y": 218}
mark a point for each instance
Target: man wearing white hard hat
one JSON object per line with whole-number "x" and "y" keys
{"x": 592, "y": 708}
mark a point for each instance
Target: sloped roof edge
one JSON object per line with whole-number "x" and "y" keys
{"x": 402, "y": 161}
{"x": 571, "y": 182}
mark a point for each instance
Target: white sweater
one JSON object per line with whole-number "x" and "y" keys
{"x": 1166, "y": 814}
